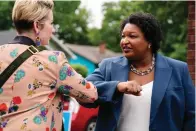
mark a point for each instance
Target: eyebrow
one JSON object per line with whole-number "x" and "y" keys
{"x": 128, "y": 32}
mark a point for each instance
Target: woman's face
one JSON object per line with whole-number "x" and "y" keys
{"x": 133, "y": 42}
{"x": 47, "y": 30}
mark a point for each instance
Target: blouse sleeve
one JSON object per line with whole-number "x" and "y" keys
{"x": 71, "y": 83}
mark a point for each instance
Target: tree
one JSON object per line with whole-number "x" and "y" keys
{"x": 172, "y": 16}
{"x": 173, "y": 19}
{"x": 94, "y": 36}
{"x": 72, "y": 21}
{"x": 82, "y": 70}
{"x": 5, "y": 14}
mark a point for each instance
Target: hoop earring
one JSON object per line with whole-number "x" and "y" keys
{"x": 37, "y": 41}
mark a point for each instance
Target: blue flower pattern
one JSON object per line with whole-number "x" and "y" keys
{"x": 37, "y": 120}
{"x": 65, "y": 89}
{"x": 64, "y": 72}
{"x": 53, "y": 58}
{"x": 1, "y": 90}
{"x": 19, "y": 75}
{"x": 14, "y": 53}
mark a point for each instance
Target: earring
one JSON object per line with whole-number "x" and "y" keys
{"x": 149, "y": 46}
{"x": 37, "y": 41}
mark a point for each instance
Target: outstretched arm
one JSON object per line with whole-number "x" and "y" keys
{"x": 73, "y": 84}
{"x": 110, "y": 91}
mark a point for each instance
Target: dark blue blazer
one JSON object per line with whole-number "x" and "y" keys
{"x": 172, "y": 101}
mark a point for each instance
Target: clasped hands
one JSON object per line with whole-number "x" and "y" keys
{"x": 129, "y": 87}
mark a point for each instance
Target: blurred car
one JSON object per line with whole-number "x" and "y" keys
{"x": 83, "y": 119}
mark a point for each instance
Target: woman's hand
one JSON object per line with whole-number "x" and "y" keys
{"x": 129, "y": 87}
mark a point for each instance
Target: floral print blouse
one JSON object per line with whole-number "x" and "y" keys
{"x": 31, "y": 99}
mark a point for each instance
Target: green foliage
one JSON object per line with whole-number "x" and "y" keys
{"x": 6, "y": 14}
{"x": 172, "y": 16}
{"x": 80, "y": 69}
{"x": 173, "y": 19}
{"x": 72, "y": 21}
{"x": 94, "y": 36}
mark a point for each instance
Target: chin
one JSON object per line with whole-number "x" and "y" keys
{"x": 130, "y": 54}
{"x": 45, "y": 42}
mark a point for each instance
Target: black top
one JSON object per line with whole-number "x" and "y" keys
{"x": 23, "y": 40}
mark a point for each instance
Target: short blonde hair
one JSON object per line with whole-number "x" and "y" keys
{"x": 25, "y": 12}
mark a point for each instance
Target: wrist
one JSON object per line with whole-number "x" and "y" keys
{"x": 119, "y": 87}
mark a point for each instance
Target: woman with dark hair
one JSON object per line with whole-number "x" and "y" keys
{"x": 143, "y": 90}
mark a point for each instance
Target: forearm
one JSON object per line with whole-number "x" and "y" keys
{"x": 70, "y": 83}
{"x": 107, "y": 93}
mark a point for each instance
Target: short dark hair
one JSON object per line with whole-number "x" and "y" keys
{"x": 148, "y": 25}
{"x": 23, "y": 25}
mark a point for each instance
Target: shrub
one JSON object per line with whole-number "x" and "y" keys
{"x": 80, "y": 69}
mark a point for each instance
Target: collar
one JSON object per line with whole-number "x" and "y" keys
{"x": 22, "y": 40}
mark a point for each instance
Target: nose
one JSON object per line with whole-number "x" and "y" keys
{"x": 125, "y": 40}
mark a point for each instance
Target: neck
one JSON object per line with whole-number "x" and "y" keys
{"x": 144, "y": 62}
{"x": 30, "y": 35}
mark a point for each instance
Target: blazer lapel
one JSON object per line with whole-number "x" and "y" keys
{"x": 161, "y": 80}
{"x": 120, "y": 72}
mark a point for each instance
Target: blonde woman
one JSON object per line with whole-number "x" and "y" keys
{"x": 30, "y": 99}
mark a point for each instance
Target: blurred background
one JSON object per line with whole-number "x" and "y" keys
{"x": 88, "y": 31}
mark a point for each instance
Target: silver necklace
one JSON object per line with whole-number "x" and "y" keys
{"x": 144, "y": 72}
